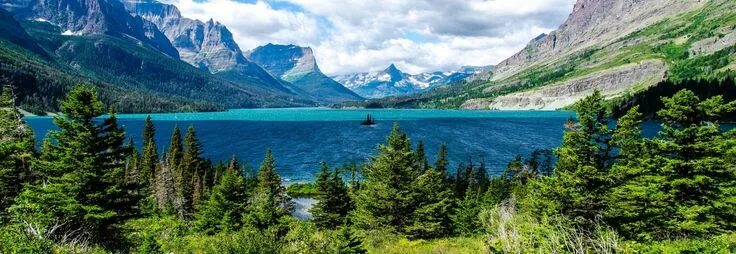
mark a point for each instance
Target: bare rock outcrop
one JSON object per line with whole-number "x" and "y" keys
{"x": 611, "y": 82}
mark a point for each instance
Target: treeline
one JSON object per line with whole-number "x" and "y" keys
{"x": 649, "y": 101}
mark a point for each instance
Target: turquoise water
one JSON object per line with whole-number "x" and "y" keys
{"x": 301, "y": 138}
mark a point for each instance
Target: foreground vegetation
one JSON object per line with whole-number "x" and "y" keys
{"x": 606, "y": 189}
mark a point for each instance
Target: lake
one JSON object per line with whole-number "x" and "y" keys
{"x": 303, "y": 137}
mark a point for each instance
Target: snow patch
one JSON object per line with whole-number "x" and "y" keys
{"x": 70, "y": 33}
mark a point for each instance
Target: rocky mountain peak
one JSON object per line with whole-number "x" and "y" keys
{"x": 284, "y": 60}
{"x": 394, "y": 72}
{"x": 80, "y": 17}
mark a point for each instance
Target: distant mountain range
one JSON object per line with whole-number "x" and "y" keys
{"x": 619, "y": 47}
{"x": 392, "y": 81}
{"x": 143, "y": 56}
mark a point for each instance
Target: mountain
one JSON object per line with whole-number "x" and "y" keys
{"x": 43, "y": 60}
{"x": 298, "y": 66}
{"x": 206, "y": 45}
{"x": 392, "y": 81}
{"x": 620, "y": 47}
{"x": 83, "y": 17}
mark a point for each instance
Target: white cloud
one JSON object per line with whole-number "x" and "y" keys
{"x": 359, "y": 35}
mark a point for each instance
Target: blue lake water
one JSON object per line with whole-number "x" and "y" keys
{"x": 301, "y": 138}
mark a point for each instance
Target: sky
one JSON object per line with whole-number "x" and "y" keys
{"x": 350, "y": 36}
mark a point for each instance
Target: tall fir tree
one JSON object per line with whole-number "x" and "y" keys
{"x": 82, "y": 184}
{"x": 149, "y": 158}
{"x": 334, "y": 199}
{"x": 190, "y": 172}
{"x": 270, "y": 202}
{"x": 386, "y": 200}
{"x": 16, "y": 151}
{"x": 421, "y": 160}
{"x": 431, "y": 218}
{"x": 700, "y": 179}
{"x": 639, "y": 200}
{"x": 581, "y": 179}
{"x": 226, "y": 206}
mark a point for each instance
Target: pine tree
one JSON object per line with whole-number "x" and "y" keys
{"x": 132, "y": 165}
{"x": 189, "y": 174}
{"x": 700, "y": 179}
{"x": 334, "y": 199}
{"x": 270, "y": 202}
{"x": 83, "y": 185}
{"x": 349, "y": 243}
{"x": 149, "y": 158}
{"x": 422, "y": 163}
{"x": 225, "y": 207}
{"x": 581, "y": 179}
{"x": 431, "y": 219}
{"x": 441, "y": 164}
{"x": 16, "y": 151}
{"x": 639, "y": 200}
{"x": 386, "y": 200}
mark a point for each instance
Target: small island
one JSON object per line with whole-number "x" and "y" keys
{"x": 368, "y": 121}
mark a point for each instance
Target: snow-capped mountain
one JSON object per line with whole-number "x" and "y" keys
{"x": 393, "y": 81}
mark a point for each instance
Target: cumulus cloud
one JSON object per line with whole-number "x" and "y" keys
{"x": 417, "y": 35}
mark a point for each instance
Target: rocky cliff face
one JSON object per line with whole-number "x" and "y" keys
{"x": 298, "y": 66}
{"x": 610, "y": 82}
{"x": 392, "y": 81}
{"x": 207, "y": 45}
{"x": 592, "y": 22}
{"x": 80, "y": 17}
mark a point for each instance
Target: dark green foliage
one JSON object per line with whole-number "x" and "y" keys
{"x": 581, "y": 177}
{"x": 649, "y": 102}
{"x": 150, "y": 154}
{"x": 225, "y": 208}
{"x": 82, "y": 184}
{"x": 348, "y": 243}
{"x": 334, "y": 201}
{"x": 386, "y": 200}
{"x": 16, "y": 151}
{"x": 270, "y": 203}
{"x": 431, "y": 217}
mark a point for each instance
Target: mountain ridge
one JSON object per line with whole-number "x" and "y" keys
{"x": 392, "y": 81}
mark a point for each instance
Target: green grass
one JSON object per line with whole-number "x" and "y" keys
{"x": 454, "y": 245}
{"x": 302, "y": 190}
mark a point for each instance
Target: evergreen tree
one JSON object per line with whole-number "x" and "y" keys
{"x": 189, "y": 175}
{"x": 639, "y": 200}
{"x": 699, "y": 176}
{"x": 334, "y": 199}
{"x": 349, "y": 243}
{"x": 581, "y": 179}
{"x": 149, "y": 158}
{"x": 270, "y": 202}
{"x": 422, "y": 163}
{"x": 386, "y": 200}
{"x": 16, "y": 151}
{"x": 132, "y": 165}
{"x": 441, "y": 164}
{"x": 82, "y": 166}
{"x": 431, "y": 219}
{"x": 225, "y": 208}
